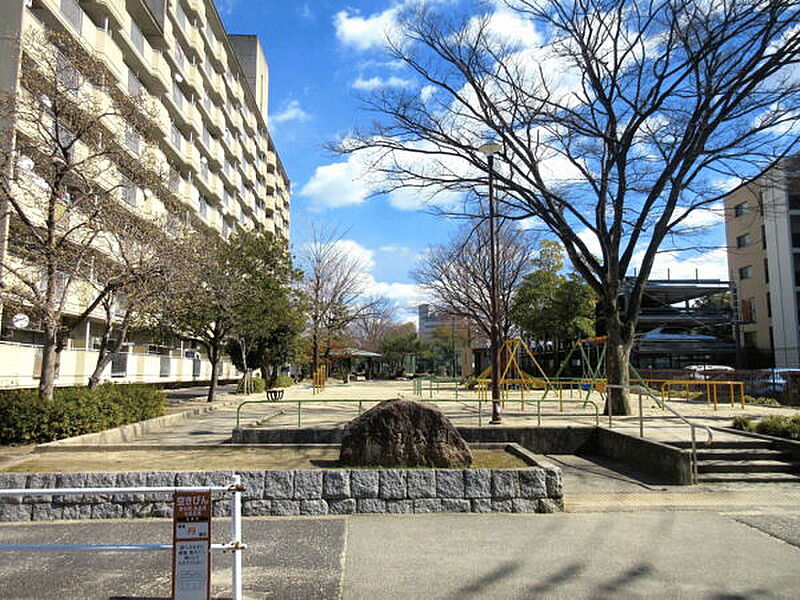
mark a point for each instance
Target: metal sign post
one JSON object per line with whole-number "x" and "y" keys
{"x": 191, "y": 546}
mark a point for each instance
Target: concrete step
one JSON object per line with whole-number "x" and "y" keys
{"x": 726, "y": 444}
{"x": 742, "y": 454}
{"x": 749, "y": 478}
{"x": 749, "y": 466}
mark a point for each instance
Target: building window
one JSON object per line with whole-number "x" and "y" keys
{"x": 750, "y": 339}
{"x": 740, "y": 209}
{"x": 743, "y": 240}
{"x": 763, "y": 237}
{"x": 749, "y": 310}
{"x": 769, "y": 305}
{"x": 793, "y": 192}
{"x": 766, "y": 271}
{"x": 746, "y": 272}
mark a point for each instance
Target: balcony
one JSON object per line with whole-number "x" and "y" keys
{"x": 193, "y": 117}
{"x": 196, "y": 8}
{"x": 114, "y": 10}
{"x": 217, "y": 51}
{"x": 193, "y": 78}
{"x": 108, "y": 50}
{"x": 215, "y": 154}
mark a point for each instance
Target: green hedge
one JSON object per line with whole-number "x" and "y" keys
{"x": 284, "y": 381}
{"x": 778, "y": 426}
{"x": 25, "y": 418}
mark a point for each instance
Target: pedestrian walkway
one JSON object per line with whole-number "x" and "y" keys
{"x": 646, "y": 554}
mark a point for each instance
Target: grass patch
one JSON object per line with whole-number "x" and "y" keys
{"x": 216, "y": 459}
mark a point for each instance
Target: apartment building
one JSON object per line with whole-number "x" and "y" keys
{"x": 208, "y": 94}
{"x": 762, "y": 226}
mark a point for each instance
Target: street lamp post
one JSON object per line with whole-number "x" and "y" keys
{"x": 489, "y": 150}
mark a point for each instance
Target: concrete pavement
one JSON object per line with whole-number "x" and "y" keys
{"x": 611, "y": 555}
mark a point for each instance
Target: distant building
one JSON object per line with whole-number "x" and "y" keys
{"x": 431, "y": 320}
{"x": 762, "y": 226}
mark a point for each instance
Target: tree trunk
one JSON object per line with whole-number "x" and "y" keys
{"x": 213, "y": 355}
{"x": 47, "y": 378}
{"x": 273, "y": 375}
{"x": 314, "y": 353}
{"x": 618, "y": 354}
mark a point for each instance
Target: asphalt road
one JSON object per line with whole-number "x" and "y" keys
{"x": 664, "y": 554}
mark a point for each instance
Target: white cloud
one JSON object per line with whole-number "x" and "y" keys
{"x": 364, "y": 256}
{"x": 353, "y": 181}
{"x": 530, "y": 223}
{"x": 366, "y": 33}
{"x": 305, "y": 11}
{"x": 395, "y": 249}
{"x": 427, "y": 92}
{"x": 373, "y": 83}
{"x": 292, "y": 112}
{"x": 338, "y": 184}
{"x": 592, "y": 243}
{"x": 510, "y": 27}
{"x": 405, "y": 295}
{"x": 701, "y": 218}
{"x": 683, "y": 265}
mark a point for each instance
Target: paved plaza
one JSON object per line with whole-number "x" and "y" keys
{"x": 650, "y": 554}
{"x": 624, "y": 535}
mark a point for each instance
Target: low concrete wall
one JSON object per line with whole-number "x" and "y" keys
{"x": 255, "y": 435}
{"x": 539, "y": 440}
{"x": 668, "y": 463}
{"x": 662, "y": 461}
{"x": 296, "y": 492}
{"x": 554, "y": 440}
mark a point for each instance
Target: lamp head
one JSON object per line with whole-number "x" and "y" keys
{"x": 490, "y": 148}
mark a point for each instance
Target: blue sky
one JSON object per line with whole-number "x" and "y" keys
{"x": 323, "y": 56}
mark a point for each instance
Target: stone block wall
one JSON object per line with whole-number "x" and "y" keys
{"x": 295, "y": 492}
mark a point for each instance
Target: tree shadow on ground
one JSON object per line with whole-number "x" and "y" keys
{"x": 479, "y": 587}
{"x": 615, "y": 585}
{"x": 550, "y": 583}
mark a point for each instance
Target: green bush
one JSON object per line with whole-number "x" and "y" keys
{"x": 284, "y": 381}
{"x": 761, "y": 401}
{"x": 784, "y": 427}
{"x": 778, "y": 426}
{"x": 26, "y": 419}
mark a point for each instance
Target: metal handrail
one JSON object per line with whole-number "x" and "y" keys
{"x": 236, "y": 545}
{"x": 362, "y": 401}
{"x": 692, "y": 426}
{"x": 272, "y": 396}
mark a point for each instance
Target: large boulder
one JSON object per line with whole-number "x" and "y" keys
{"x": 403, "y": 433}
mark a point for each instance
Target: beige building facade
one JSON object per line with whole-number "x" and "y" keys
{"x": 208, "y": 92}
{"x": 762, "y": 225}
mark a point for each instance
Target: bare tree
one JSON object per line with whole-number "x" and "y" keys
{"x": 137, "y": 282}
{"x": 79, "y": 151}
{"x": 371, "y": 327}
{"x": 334, "y": 285}
{"x": 618, "y": 119}
{"x": 457, "y": 274}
